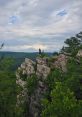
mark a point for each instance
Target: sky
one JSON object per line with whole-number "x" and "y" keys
{"x": 27, "y": 25}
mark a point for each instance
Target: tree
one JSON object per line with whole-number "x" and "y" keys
{"x": 55, "y": 53}
{"x": 73, "y": 77}
{"x": 31, "y": 84}
{"x": 72, "y": 45}
{"x": 79, "y": 35}
{"x": 63, "y": 103}
{"x": 7, "y": 88}
{"x": 1, "y": 46}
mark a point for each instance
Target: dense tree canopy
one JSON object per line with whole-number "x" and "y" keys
{"x": 7, "y": 88}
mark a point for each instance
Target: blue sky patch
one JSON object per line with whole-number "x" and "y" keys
{"x": 62, "y": 13}
{"x": 13, "y": 19}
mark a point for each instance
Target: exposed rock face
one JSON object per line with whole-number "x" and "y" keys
{"x": 35, "y": 100}
{"x": 61, "y": 62}
{"x": 28, "y": 68}
{"x": 79, "y": 54}
{"x": 42, "y": 61}
{"x": 41, "y": 69}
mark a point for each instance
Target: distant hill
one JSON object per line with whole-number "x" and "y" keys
{"x": 20, "y": 56}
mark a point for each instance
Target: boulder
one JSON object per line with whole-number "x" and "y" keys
{"x": 42, "y": 71}
{"x": 27, "y": 67}
{"x": 79, "y": 54}
{"x": 61, "y": 62}
{"x": 42, "y": 61}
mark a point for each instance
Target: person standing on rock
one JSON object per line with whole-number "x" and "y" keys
{"x": 40, "y": 52}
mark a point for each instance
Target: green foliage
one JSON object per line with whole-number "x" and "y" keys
{"x": 7, "y": 88}
{"x": 79, "y": 35}
{"x": 52, "y": 59}
{"x": 55, "y": 54}
{"x": 42, "y": 55}
{"x": 73, "y": 44}
{"x": 23, "y": 76}
{"x": 31, "y": 84}
{"x": 6, "y": 64}
{"x": 63, "y": 103}
{"x": 73, "y": 78}
{"x": 7, "y": 94}
{"x": 64, "y": 98}
{"x": 22, "y": 110}
{"x": 54, "y": 76}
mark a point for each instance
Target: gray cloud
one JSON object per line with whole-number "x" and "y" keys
{"x": 38, "y": 22}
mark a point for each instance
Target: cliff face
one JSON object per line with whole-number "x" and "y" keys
{"x": 41, "y": 68}
{"x": 27, "y": 69}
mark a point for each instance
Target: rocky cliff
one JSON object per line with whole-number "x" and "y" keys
{"x": 41, "y": 69}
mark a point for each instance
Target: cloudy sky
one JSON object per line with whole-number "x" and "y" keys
{"x": 26, "y": 25}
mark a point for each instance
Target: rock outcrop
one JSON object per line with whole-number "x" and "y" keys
{"x": 79, "y": 54}
{"x": 61, "y": 62}
{"x": 41, "y": 68}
